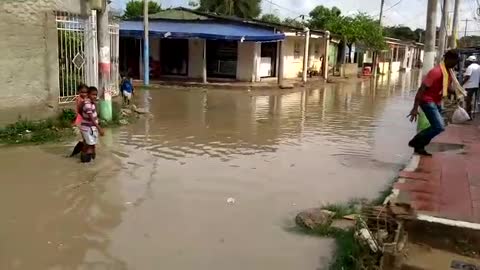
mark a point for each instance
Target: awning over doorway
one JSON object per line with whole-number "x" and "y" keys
{"x": 204, "y": 30}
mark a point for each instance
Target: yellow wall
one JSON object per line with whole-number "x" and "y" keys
{"x": 293, "y": 67}
{"x": 316, "y": 51}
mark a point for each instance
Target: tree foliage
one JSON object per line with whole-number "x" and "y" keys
{"x": 293, "y": 22}
{"x": 359, "y": 28}
{"x": 271, "y": 18}
{"x": 134, "y": 9}
{"x": 369, "y": 32}
{"x": 469, "y": 41}
{"x": 241, "y": 8}
{"x": 403, "y": 32}
{"x": 325, "y": 18}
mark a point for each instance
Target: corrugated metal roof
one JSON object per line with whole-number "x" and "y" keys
{"x": 177, "y": 14}
{"x": 200, "y": 29}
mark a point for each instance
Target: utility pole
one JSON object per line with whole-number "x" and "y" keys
{"x": 466, "y": 26}
{"x": 382, "y": 4}
{"x": 453, "y": 40}
{"x": 146, "y": 45}
{"x": 443, "y": 31}
{"x": 306, "y": 55}
{"x": 104, "y": 62}
{"x": 375, "y": 54}
{"x": 430, "y": 36}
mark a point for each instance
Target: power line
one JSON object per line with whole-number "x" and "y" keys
{"x": 282, "y": 7}
{"x": 394, "y": 5}
{"x": 389, "y": 8}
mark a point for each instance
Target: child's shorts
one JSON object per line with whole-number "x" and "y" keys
{"x": 90, "y": 135}
{"x": 127, "y": 94}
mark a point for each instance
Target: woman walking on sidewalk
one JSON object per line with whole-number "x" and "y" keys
{"x": 435, "y": 86}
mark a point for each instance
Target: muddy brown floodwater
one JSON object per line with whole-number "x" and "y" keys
{"x": 156, "y": 198}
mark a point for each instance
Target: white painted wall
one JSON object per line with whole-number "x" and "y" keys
{"x": 384, "y": 66}
{"x": 246, "y": 61}
{"x": 316, "y": 50}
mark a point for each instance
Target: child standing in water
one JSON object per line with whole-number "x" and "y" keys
{"x": 82, "y": 91}
{"x": 90, "y": 127}
{"x": 127, "y": 89}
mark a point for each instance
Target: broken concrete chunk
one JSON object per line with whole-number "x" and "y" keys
{"x": 314, "y": 218}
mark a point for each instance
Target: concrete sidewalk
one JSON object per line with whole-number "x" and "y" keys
{"x": 447, "y": 185}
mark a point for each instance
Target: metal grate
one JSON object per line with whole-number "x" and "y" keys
{"x": 114, "y": 30}
{"x": 71, "y": 47}
{"x": 78, "y": 54}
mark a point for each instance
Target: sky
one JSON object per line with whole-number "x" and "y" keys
{"x": 397, "y": 12}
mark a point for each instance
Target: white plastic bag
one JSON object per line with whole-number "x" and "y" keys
{"x": 460, "y": 116}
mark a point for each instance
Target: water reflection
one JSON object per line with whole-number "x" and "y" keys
{"x": 275, "y": 152}
{"x": 161, "y": 202}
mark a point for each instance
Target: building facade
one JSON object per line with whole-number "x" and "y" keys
{"x": 211, "y": 48}
{"x": 29, "y": 64}
{"x": 49, "y": 47}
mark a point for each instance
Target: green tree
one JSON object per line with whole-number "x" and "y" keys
{"x": 469, "y": 41}
{"x": 420, "y": 33}
{"x": 271, "y": 18}
{"x": 369, "y": 32}
{"x": 293, "y": 22}
{"x": 325, "y": 18}
{"x": 401, "y": 32}
{"x": 134, "y": 9}
{"x": 241, "y": 8}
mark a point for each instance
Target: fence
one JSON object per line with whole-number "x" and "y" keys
{"x": 78, "y": 54}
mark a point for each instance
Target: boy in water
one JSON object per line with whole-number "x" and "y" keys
{"x": 90, "y": 127}
{"x": 127, "y": 89}
{"x": 82, "y": 91}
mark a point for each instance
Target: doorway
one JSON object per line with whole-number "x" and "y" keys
{"x": 174, "y": 57}
{"x": 222, "y": 58}
{"x": 268, "y": 60}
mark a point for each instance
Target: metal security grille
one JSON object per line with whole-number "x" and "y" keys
{"x": 114, "y": 30}
{"x": 71, "y": 56}
{"x": 78, "y": 54}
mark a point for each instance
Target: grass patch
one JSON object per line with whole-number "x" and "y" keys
{"x": 349, "y": 254}
{"x": 37, "y": 132}
{"x": 353, "y": 206}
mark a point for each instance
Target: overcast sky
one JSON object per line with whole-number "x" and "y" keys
{"x": 405, "y": 12}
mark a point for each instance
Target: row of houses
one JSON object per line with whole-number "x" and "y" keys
{"x": 194, "y": 45}
{"x": 51, "y": 46}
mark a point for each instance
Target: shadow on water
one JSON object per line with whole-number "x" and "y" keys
{"x": 162, "y": 201}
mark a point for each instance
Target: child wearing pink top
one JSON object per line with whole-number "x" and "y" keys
{"x": 82, "y": 91}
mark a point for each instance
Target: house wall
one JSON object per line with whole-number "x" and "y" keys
{"x": 384, "y": 67}
{"x": 293, "y": 48}
{"x": 195, "y": 58}
{"x": 155, "y": 48}
{"x": 316, "y": 51}
{"x": 246, "y": 61}
{"x": 29, "y": 64}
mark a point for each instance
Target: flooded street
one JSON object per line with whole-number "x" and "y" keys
{"x": 156, "y": 198}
